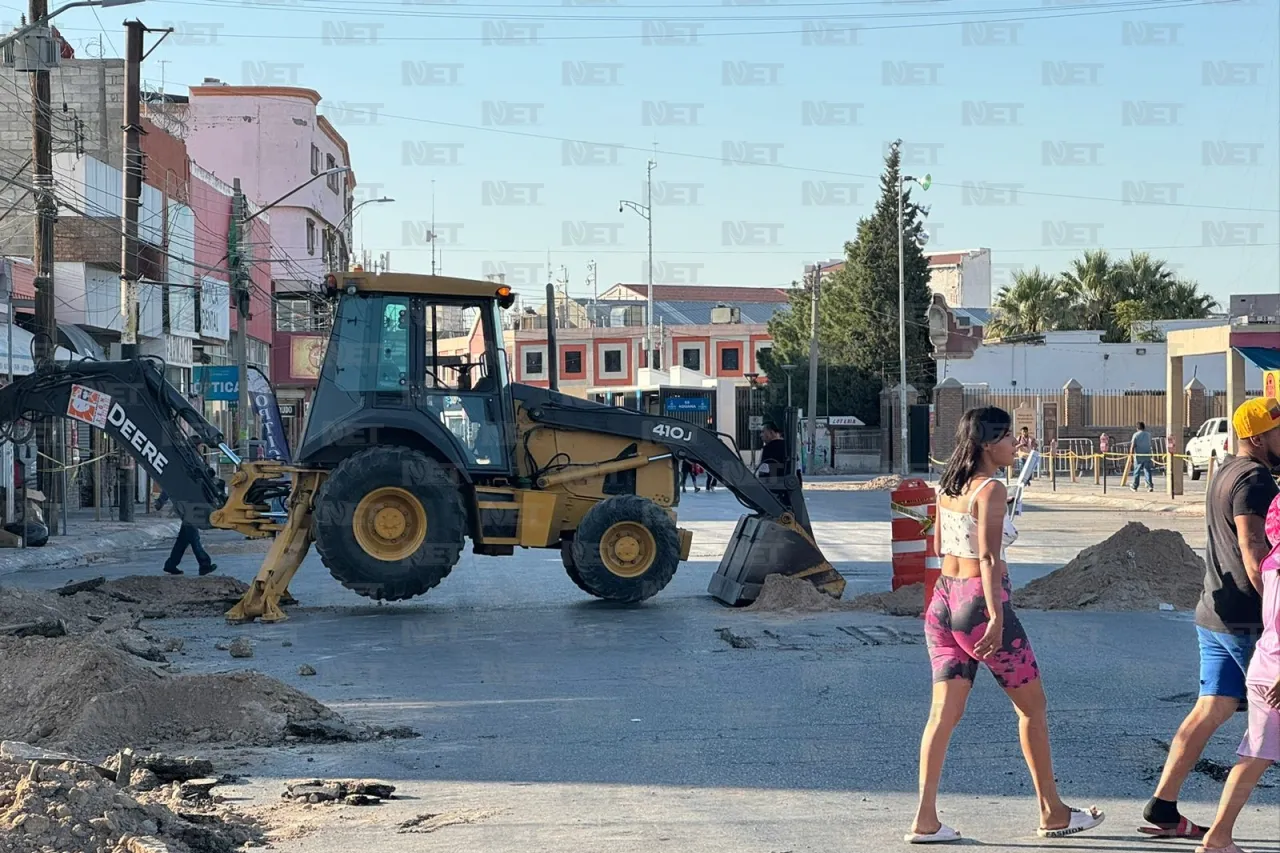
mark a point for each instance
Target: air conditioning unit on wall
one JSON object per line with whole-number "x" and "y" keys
{"x": 726, "y": 314}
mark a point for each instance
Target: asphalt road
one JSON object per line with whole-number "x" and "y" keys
{"x": 552, "y": 721}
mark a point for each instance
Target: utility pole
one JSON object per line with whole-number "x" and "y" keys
{"x": 595, "y": 287}
{"x": 646, "y": 211}
{"x": 46, "y": 338}
{"x": 433, "y": 226}
{"x": 812, "y": 437}
{"x": 133, "y": 170}
{"x": 238, "y": 238}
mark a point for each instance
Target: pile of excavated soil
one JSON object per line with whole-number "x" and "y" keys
{"x": 785, "y": 594}
{"x": 72, "y": 808}
{"x": 166, "y": 595}
{"x": 903, "y": 601}
{"x": 1135, "y": 569}
{"x": 92, "y": 698}
{"x": 885, "y": 483}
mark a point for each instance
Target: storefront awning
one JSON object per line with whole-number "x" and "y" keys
{"x": 1261, "y": 357}
{"x": 22, "y": 363}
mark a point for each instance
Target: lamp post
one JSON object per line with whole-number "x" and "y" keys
{"x": 646, "y": 212}
{"x": 924, "y": 184}
{"x": 349, "y": 220}
{"x": 789, "y": 368}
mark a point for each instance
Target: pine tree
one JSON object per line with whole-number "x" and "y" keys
{"x": 862, "y": 298}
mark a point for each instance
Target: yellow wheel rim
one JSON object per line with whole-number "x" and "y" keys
{"x": 628, "y": 549}
{"x": 390, "y": 524}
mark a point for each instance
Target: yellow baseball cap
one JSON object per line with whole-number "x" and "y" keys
{"x": 1256, "y": 416}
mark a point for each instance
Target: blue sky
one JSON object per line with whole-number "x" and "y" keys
{"x": 1037, "y": 120}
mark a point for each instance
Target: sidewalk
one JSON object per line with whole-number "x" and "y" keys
{"x": 91, "y": 541}
{"x": 1118, "y": 496}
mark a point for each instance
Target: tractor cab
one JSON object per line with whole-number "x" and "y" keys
{"x": 418, "y": 361}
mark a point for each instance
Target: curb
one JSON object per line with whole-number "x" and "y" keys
{"x": 95, "y": 549}
{"x": 1194, "y": 510}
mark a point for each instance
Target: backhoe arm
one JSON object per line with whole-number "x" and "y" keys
{"x": 771, "y": 497}
{"x": 131, "y": 402}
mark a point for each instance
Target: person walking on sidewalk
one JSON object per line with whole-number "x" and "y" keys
{"x": 969, "y": 621}
{"x": 1140, "y": 453}
{"x": 1260, "y": 747}
{"x": 1229, "y": 615}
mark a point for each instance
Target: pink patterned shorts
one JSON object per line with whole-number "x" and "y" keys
{"x": 957, "y": 618}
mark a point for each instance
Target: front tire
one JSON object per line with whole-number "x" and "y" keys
{"x": 389, "y": 523}
{"x": 626, "y": 549}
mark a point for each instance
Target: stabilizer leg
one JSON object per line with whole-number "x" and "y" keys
{"x": 271, "y": 585}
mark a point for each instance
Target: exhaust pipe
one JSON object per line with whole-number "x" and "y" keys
{"x": 553, "y": 356}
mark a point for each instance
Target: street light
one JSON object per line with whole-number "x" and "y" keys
{"x": 646, "y": 212}
{"x": 351, "y": 215}
{"x": 924, "y": 184}
{"x": 789, "y": 368}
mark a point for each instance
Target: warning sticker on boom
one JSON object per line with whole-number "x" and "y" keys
{"x": 89, "y": 406}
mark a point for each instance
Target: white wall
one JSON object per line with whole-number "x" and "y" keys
{"x": 1100, "y": 367}
{"x": 975, "y": 281}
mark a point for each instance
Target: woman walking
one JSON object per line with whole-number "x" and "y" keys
{"x": 969, "y": 620}
{"x": 1261, "y": 745}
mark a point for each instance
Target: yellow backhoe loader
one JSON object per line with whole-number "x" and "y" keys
{"x": 407, "y": 452}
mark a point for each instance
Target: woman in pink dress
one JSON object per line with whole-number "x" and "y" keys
{"x": 1261, "y": 745}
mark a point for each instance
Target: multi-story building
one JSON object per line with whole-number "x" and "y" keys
{"x": 274, "y": 141}
{"x": 962, "y": 278}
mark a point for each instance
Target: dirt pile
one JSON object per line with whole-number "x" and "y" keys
{"x": 1135, "y": 569}
{"x": 784, "y": 594}
{"x": 73, "y": 808}
{"x": 903, "y": 601}
{"x": 885, "y": 483}
{"x": 83, "y": 605}
{"x": 165, "y": 596}
{"x": 93, "y": 699}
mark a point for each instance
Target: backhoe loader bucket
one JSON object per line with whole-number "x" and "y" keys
{"x": 761, "y": 547}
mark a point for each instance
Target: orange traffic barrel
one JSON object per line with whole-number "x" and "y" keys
{"x": 913, "y": 508}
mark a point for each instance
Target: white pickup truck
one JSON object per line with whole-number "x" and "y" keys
{"x": 1211, "y": 441}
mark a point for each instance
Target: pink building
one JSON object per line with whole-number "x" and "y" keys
{"x": 273, "y": 139}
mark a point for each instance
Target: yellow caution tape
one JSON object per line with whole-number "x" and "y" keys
{"x": 926, "y": 523}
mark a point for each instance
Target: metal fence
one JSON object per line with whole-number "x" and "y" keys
{"x": 1124, "y": 408}
{"x": 1216, "y": 404}
{"x": 856, "y": 439}
{"x": 1010, "y": 399}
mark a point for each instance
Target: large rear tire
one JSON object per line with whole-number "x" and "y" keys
{"x": 389, "y": 523}
{"x": 626, "y": 549}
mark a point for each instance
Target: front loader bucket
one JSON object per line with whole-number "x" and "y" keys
{"x": 761, "y": 547}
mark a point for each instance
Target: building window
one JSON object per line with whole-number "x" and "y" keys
{"x": 315, "y": 160}
{"x": 729, "y": 359}
{"x": 325, "y": 249}
{"x": 333, "y": 180}
{"x": 573, "y": 361}
{"x": 300, "y": 315}
{"x": 613, "y": 361}
{"x": 533, "y": 364}
{"x": 691, "y": 359}
{"x": 311, "y": 236}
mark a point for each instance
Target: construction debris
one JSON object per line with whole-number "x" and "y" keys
{"x": 241, "y": 647}
{"x": 1135, "y": 569}
{"x": 72, "y": 808}
{"x": 429, "y": 822}
{"x": 903, "y": 601}
{"x": 884, "y": 483}
{"x": 785, "y": 594}
{"x": 306, "y": 669}
{"x": 351, "y": 792}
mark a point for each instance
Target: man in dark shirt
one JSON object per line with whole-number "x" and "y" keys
{"x": 773, "y": 456}
{"x": 1229, "y": 616}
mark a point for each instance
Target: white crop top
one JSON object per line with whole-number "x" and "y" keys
{"x": 960, "y": 529}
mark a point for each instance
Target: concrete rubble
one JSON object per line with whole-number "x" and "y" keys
{"x": 349, "y": 792}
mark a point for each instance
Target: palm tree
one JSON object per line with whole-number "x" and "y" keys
{"x": 1184, "y": 301}
{"x": 1094, "y": 286}
{"x": 1143, "y": 278}
{"x": 1033, "y": 304}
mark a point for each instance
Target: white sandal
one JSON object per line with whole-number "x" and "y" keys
{"x": 942, "y": 836}
{"x": 1081, "y": 821}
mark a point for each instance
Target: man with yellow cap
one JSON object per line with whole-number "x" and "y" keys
{"x": 1229, "y": 616}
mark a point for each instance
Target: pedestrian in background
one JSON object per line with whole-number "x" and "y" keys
{"x": 1024, "y": 444}
{"x": 1229, "y": 615}
{"x": 1261, "y": 745}
{"x": 689, "y": 468}
{"x": 1140, "y": 453}
{"x": 969, "y": 621}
